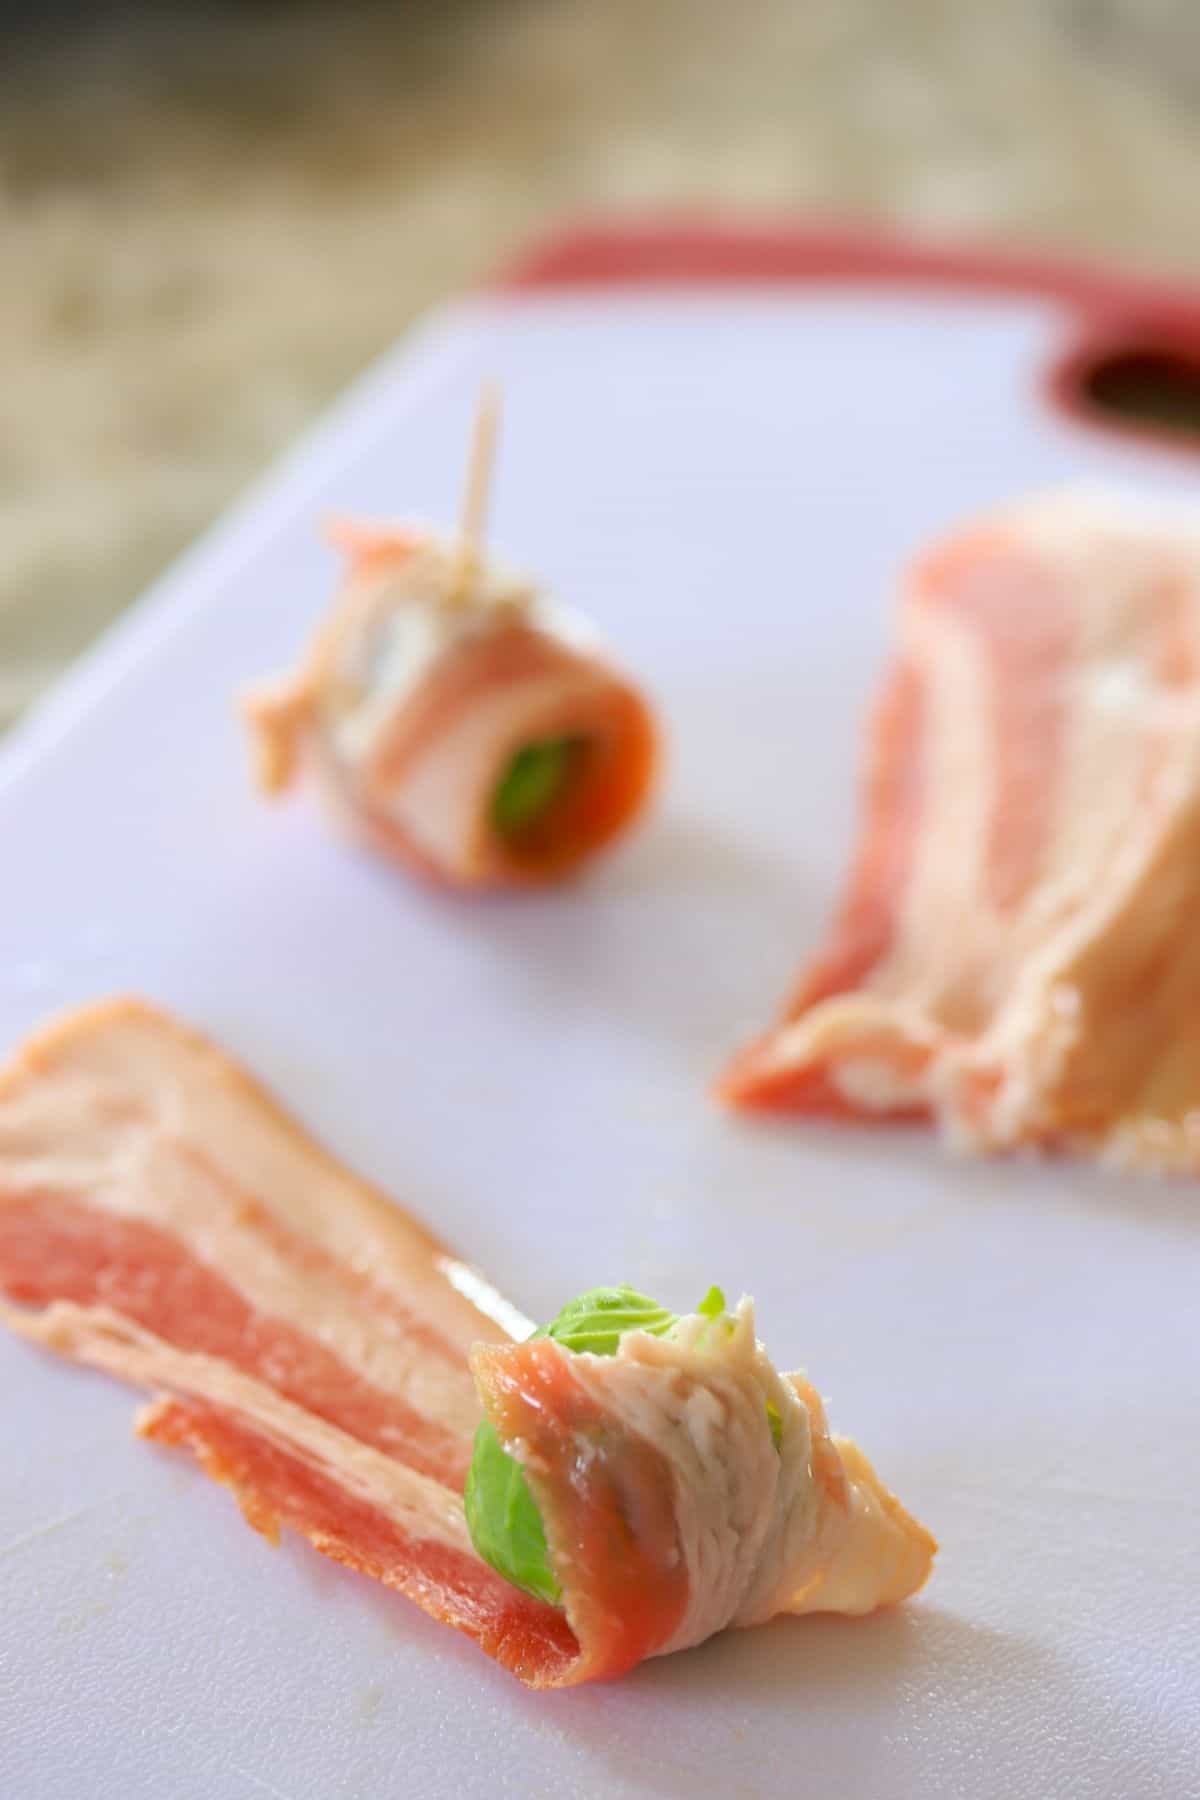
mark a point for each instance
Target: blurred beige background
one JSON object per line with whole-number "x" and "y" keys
{"x": 213, "y": 215}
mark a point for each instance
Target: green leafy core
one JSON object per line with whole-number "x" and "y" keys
{"x": 536, "y": 778}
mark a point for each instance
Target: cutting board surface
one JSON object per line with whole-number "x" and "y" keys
{"x": 725, "y": 474}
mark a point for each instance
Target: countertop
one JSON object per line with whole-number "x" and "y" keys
{"x": 211, "y": 219}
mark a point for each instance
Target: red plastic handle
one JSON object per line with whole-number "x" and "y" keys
{"x": 1117, "y": 317}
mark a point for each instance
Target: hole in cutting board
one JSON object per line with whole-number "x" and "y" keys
{"x": 1137, "y": 381}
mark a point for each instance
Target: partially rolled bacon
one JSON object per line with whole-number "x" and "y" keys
{"x": 685, "y": 1486}
{"x": 163, "y": 1220}
{"x": 456, "y": 719}
{"x": 1016, "y": 953}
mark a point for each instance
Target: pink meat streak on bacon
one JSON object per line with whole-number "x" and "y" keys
{"x": 998, "y": 928}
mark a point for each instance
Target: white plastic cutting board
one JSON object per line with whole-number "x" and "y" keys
{"x": 726, "y": 478}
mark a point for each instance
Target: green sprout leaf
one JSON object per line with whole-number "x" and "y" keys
{"x": 535, "y": 778}
{"x": 505, "y": 1525}
{"x": 598, "y": 1320}
{"x": 712, "y": 1305}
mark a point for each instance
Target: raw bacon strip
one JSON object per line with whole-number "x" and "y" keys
{"x": 1015, "y": 956}
{"x": 418, "y": 695}
{"x": 164, "y": 1221}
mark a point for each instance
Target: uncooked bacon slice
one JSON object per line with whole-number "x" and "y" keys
{"x": 458, "y": 720}
{"x": 163, "y": 1220}
{"x": 1016, "y": 955}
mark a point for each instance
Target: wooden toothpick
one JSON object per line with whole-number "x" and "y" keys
{"x": 477, "y": 492}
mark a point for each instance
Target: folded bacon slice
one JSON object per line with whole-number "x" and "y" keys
{"x": 1015, "y": 955}
{"x": 429, "y": 678}
{"x": 163, "y": 1220}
